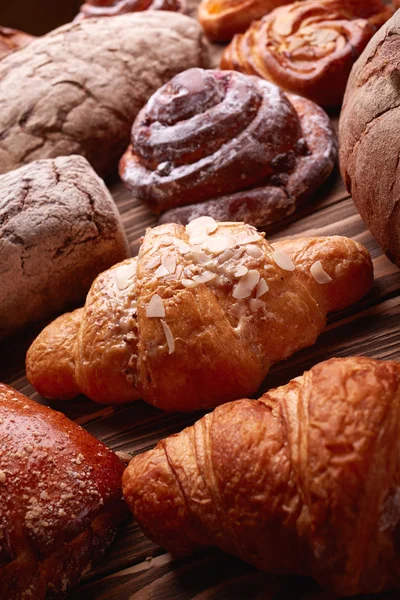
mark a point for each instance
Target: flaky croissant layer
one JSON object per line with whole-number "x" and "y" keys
{"x": 304, "y": 480}
{"x": 199, "y": 317}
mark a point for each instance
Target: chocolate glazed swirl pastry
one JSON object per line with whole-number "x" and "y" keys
{"x": 11, "y": 39}
{"x": 308, "y": 47}
{"x": 111, "y": 8}
{"x": 229, "y": 146}
{"x": 221, "y": 19}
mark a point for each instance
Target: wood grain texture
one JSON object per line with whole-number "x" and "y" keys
{"x": 137, "y": 569}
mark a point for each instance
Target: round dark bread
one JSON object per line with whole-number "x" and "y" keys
{"x": 78, "y": 89}
{"x": 60, "y": 499}
{"x": 370, "y": 137}
{"x": 59, "y": 228}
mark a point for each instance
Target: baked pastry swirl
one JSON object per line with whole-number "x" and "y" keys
{"x": 111, "y": 8}
{"x": 12, "y": 39}
{"x": 228, "y": 145}
{"x": 304, "y": 480}
{"x": 60, "y": 499}
{"x": 308, "y": 47}
{"x": 199, "y": 317}
{"x": 221, "y": 19}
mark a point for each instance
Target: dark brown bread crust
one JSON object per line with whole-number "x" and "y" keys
{"x": 230, "y": 146}
{"x": 78, "y": 89}
{"x": 112, "y": 8}
{"x": 60, "y": 499}
{"x": 12, "y": 39}
{"x": 370, "y": 137}
{"x": 304, "y": 480}
{"x": 308, "y": 47}
{"x": 59, "y": 228}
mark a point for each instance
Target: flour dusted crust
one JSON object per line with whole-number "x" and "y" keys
{"x": 227, "y": 145}
{"x": 112, "y": 8}
{"x": 370, "y": 137}
{"x": 59, "y": 227}
{"x": 60, "y": 499}
{"x": 78, "y": 89}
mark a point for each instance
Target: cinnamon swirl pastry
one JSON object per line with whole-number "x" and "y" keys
{"x": 12, "y": 39}
{"x": 221, "y": 19}
{"x": 111, "y": 8}
{"x": 308, "y": 47}
{"x": 227, "y": 145}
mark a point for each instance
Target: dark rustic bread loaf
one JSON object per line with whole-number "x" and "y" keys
{"x": 370, "y": 137}
{"x": 78, "y": 89}
{"x": 59, "y": 228}
{"x": 60, "y": 499}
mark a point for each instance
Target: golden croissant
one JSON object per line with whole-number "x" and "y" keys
{"x": 304, "y": 480}
{"x": 199, "y": 318}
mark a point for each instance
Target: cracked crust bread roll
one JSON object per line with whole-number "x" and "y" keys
{"x": 59, "y": 228}
{"x": 78, "y": 89}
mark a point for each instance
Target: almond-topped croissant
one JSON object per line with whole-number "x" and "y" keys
{"x": 304, "y": 480}
{"x": 308, "y": 47}
{"x": 229, "y": 146}
{"x": 60, "y": 499}
{"x": 199, "y": 317}
{"x": 111, "y": 8}
{"x": 12, "y": 39}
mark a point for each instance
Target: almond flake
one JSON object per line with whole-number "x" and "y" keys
{"x": 197, "y": 240}
{"x": 206, "y": 223}
{"x": 204, "y": 277}
{"x": 246, "y": 284}
{"x": 254, "y": 251}
{"x": 169, "y": 262}
{"x": 283, "y": 260}
{"x": 261, "y": 288}
{"x": 189, "y": 283}
{"x": 161, "y": 272}
{"x": 199, "y": 256}
{"x": 153, "y": 262}
{"x": 242, "y": 270}
{"x": 249, "y": 239}
{"x": 179, "y": 271}
{"x": 169, "y": 337}
{"x": 226, "y": 255}
{"x": 124, "y": 275}
{"x": 155, "y": 307}
{"x": 238, "y": 253}
{"x": 216, "y": 245}
{"x": 182, "y": 246}
{"x": 317, "y": 271}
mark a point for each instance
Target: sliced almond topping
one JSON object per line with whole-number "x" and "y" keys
{"x": 207, "y": 223}
{"x": 242, "y": 270}
{"x": 249, "y": 239}
{"x": 182, "y": 246}
{"x": 283, "y": 260}
{"x": 261, "y": 288}
{"x": 246, "y": 284}
{"x": 169, "y": 262}
{"x": 169, "y": 337}
{"x": 155, "y": 307}
{"x": 179, "y": 271}
{"x": 238, "y": 253}
{"x": 255, "y": 304}
{"x": 124, "y": 275}
{"x": 199, "y": 256}
{"x": 153, "y": 262}
{"x": 197, "y": 240}
{"x": 189, "y": 283}
{"x": 161, "y": 272}
{"x": 317, "y": 271}
{"x": 226, "y": 255}
{"x": 217, "y": 244}
{"x": 204, "y": 277}
{"x": 254, "y": 251}
{"x": 341, "y": 42}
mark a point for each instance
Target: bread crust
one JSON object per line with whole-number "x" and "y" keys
{"x": 308, "y": 47}
{"x": 218, "y": 337}
{"x": 59, "y": 228}
{"x": 369, "y": 135}
{"x": 229, "y": 146}
{"x": 60, "y": 499}
{"x": 112, "y": 8}
{"x": 303, "y": 480}
{"x": 12, "y": 39}
{"x": 78, "y": 89}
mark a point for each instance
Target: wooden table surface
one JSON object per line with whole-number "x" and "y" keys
{"x": 137, "y": 569}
